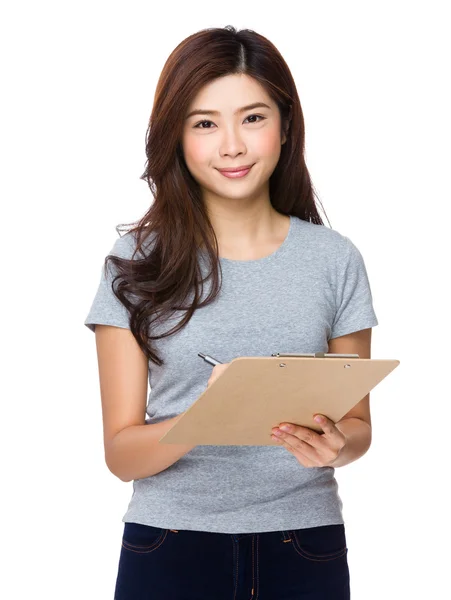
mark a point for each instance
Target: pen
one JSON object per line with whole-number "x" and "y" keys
{"x": 209, "y": 359}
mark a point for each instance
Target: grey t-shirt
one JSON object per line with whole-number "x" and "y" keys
{"x": 314, "y": 287}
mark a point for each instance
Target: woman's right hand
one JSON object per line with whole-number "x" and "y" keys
{"x": 217, "y": 371}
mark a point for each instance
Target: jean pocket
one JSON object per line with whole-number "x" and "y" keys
{"x": 143, "y": 538}
{"x": 322, "y": 543}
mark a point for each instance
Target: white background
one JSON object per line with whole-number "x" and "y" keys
{"x": 78, "y": 81}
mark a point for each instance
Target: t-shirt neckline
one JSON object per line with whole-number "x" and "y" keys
{"x": 258, "y": 261}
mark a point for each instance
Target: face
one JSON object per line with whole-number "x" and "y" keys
{"x": 232, "y": 138}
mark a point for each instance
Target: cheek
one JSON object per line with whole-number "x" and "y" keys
{"x": 196, "y": 152}
{"x": 269, "y": 144}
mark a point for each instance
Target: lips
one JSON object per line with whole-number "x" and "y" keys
{"x": 235, "y": 169}
{"x": 237, "y": 172}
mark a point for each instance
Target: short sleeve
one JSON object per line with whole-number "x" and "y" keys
{"x": 354, "y": 301}
{"x": 106, "y": 309}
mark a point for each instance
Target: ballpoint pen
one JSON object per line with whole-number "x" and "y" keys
{"x": 209, "y": 359}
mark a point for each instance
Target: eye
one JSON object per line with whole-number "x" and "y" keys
{"x": 201, "y": 122}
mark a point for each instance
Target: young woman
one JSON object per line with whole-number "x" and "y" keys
{"x": 232, "y": 198}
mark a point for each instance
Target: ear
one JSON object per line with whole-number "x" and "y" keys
{"x": 285, "y": 133}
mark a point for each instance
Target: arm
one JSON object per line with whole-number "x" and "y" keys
{"x": 356, "y": 424}
{"x": 132, "y": 450}
{"x": 135, "y": 452}
{"x": 358, "y": 440}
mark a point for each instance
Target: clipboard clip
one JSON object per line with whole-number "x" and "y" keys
{"x": 318, "y": 355}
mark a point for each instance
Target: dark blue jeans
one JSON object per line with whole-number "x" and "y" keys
{"x": 166, "y": 564}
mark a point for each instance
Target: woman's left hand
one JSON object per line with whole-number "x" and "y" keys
{"x": 310, "y": 448}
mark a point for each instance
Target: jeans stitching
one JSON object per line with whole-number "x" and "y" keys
{"x": 144, "y": 549}
{"x": 258, "y": 583}
{"x": 316, "y": 557}
{"x": 236, "y": 549}
{"x": 286, "y": 536}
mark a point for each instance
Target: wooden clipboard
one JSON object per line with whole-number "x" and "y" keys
{"x": 256, "y": 393}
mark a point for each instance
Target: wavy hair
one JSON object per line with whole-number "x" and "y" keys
{"x": 177, "y": 221}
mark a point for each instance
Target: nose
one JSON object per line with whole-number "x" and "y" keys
{"x": 232, "y": 143}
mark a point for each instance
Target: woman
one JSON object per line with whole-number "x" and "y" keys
{"x": 227, "y": 522}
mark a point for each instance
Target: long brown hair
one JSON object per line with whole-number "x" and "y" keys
{"x": 177, "y": 221}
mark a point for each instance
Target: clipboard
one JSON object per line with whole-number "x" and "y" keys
{"x": 256, "y": 393}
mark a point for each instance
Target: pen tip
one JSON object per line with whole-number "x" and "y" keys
{"x": 201, "y": 355}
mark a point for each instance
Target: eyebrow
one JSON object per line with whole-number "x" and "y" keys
{"x": 198, "y": 111}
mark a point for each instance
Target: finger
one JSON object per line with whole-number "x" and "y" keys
{"x": 317, "y": 457}
{"x": 216, "y": 372}
{"x": 305, "y": 434}
{"x": 304, "y": 453}
{"x": 295, "y": 441}
{"x": 329, "y": 428}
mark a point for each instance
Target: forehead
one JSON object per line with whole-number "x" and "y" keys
{"x": 227, "y": 94}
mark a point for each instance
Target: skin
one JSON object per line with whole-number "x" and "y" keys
{"x": 247, "y": 227}
{"x": 240, "y": 210}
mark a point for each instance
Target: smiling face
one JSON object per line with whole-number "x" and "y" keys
{"x": 231, "y": 137}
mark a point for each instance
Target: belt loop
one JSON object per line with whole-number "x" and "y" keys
{"x": 286, "y": 536}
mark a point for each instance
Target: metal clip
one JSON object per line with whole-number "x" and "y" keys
{"x": 318, "y": 355}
